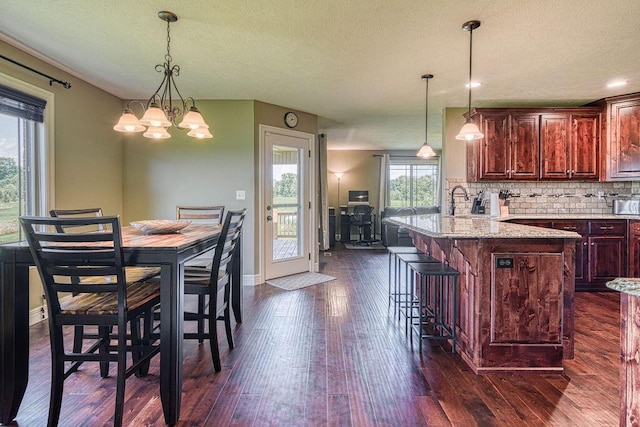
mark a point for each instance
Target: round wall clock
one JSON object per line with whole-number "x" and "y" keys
{"x": 291, "y": 119}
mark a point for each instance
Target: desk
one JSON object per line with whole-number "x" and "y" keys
{"x": 168, "y": 251}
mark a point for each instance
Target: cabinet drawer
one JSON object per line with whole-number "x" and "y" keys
{"x": 601, "y": 228}
{"x": 577, "y": 226}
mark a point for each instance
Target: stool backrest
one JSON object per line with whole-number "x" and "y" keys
{"x": 91, "y": 262}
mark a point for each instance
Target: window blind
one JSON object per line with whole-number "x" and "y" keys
{"x": 19, "y": 104}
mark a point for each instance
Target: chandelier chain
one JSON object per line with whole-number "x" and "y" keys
{"x": 168, "y": 55}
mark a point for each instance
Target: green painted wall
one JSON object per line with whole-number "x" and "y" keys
{"x": 88, "y": 153}
{"x": 158, "y": 175}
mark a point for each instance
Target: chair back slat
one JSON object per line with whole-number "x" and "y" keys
{"x": 91, "y": 262}
{"x": 201, "y": 214}
{"x": 77, "y": 213}
{"x": 227, "y": 242}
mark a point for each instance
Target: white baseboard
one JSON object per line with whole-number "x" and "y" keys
{"x": 250, "y": 279}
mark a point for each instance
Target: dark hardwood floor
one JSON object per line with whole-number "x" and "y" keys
{"x": 330, "y": 355}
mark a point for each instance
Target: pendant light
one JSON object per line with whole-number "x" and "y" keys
{"x": 426, "y": 151}
{"x": 470, "y": 131}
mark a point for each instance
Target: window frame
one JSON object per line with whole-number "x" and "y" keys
{"x": 411, "y": 162}
{"x": 43, "y": 155}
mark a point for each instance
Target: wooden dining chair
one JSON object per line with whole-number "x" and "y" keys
{"x": 90, "y": 266}
{"x": 211, "y": 215}
{"x": 215, "y": 283}
{"x": 134, "y": 274}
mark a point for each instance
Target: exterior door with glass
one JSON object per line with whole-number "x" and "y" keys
{"x": 287, "y": 229}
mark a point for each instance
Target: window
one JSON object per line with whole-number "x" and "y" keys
{"x": 23, "y": 162}
{"x": 414, "y": 183}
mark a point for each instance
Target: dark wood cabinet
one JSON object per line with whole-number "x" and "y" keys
{"x": 534, "y": 144}
{"x": 623, "y": 137}
{"x": 569, "y": 146}
{"x": 634, "y": 248}
{"x": 601, "y": 253}
{"x": 509, "y": 149}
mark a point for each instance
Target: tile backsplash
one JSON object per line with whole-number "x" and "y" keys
{"x": 546, "y": 197}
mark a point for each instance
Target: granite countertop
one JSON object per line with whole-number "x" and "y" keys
{"x": 475, "y": 227}
{"x": 626, "y": 285}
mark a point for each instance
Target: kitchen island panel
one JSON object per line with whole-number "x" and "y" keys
{"x": 519, "y": 320}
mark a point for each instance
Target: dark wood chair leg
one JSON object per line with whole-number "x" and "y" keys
{"x": 227, "y": 326}
{"x": 120, "y": 381}
{"x": 57, "y": 377}
{"x": 201, "y": 314}
{"x": 78, "y": 334}
{"x": 104, "y": 332}
{"x": 213, "y": 343}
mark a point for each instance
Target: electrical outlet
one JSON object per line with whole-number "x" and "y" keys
{"x": 240, "y": 195}
{"x": 600, "y": 194}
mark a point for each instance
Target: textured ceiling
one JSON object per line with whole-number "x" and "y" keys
{"x": 356, "y": 64}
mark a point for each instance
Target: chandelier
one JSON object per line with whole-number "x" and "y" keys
{"x": 161, "y": 110}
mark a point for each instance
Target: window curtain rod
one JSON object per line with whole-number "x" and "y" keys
{"x": 52, "y": 80}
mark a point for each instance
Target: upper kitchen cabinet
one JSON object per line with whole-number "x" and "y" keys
{"x": 623, "y": 137}
{"x": 509, "y": 149}
{"x": 569, "y": 143}
{"x": 533, "y": 144}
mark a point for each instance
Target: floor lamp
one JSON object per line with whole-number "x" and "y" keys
{"x": 339, "y": 175}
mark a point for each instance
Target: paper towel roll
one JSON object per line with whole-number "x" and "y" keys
{"x": 495, "y": 204}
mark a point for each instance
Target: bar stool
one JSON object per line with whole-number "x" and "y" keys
{"x": 393, "y": 260}
{"x": 437, "y": 304}
{"x": 404, "y": 292}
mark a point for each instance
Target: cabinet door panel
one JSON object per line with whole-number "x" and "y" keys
{"x": 525, "y": 148}
{"x": 634, "y": 249}
{"x": 624, "y": 139}
{"x": 554, "y": 141}
{"x": 585, "y": 142}
{"x": 606, "y": 258}
{"x": 494, "y": 152}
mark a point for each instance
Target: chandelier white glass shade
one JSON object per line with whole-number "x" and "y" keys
{"x": 426, "y": 151}
{"x": 470, "y": 131}
{"x": 161, "y": 110}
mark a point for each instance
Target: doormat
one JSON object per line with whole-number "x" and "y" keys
{"x": 298, "y": 281}
{"x": 376, "y": 245}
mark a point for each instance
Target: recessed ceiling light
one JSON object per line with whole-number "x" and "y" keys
{"x": 617, "y": 83}
{"x": 473, "y": 84}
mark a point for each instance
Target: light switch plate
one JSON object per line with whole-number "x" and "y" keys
{"x": 240, "y": 195}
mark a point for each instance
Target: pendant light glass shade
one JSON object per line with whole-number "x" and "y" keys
{"x": 156, "y": 132}
{"x": 426, "y": 151}
{"x": 193, "y": 120}
{"x": 470, "y": 131}
{"x": 155, "y": 117}
{"x": 200, "y": 133}
{"x": 129, "y": 123}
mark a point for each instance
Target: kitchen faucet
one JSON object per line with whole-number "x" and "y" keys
{"x": 452, "y": 206}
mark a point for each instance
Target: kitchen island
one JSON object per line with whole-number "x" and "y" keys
{"x": 516, "y": 289}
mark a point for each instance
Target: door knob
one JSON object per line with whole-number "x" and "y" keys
{"x": 269, "y": 218}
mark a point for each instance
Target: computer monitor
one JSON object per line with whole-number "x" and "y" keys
{"x": 358, "y": 197}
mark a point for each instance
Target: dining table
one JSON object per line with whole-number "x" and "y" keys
{"x": 170, "y": 252}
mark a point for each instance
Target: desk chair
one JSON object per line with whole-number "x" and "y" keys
{"x": 215, "y": 283}
{"x": 363, "y": 219}
{"x": 90, "y": 266}
{"x": 134, "y": 274}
